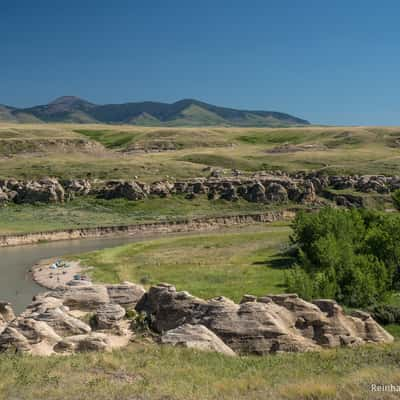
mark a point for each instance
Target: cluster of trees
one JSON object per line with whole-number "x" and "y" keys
{"x": 352, "y": 256}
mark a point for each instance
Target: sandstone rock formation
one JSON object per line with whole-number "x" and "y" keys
{"x": 264, "y": 325}
{"x": 93, "y": 318}
{"x": 109, "y": 316}
{"x": 126, "y": 294}
{"x": 274, "y": 187}
{"x": 196, "y": 337}
{"x": 75, "y": 318}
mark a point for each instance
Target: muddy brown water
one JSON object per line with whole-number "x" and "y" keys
{"x": 16, "y": 284}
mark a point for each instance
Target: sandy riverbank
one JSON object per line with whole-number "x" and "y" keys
{"x": 49, "y": 278}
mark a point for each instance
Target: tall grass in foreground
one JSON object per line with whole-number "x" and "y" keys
{"x": 145, "y": 371}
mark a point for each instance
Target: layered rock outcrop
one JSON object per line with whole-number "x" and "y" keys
{"x": 73, "y": 318}
{"x": 196, "y": 337}
{"x": 276, "y": 187}
{"x": 93, "y": 318}
{"x": 262, "y": 325}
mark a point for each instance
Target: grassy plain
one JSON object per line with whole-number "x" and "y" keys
{"x": 109, "y": 151}
{"x": 150, "y": 372}
{"x": 230, "y": 263}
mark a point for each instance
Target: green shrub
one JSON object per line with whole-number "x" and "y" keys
{"x": 349, "y": 255}
{"x": 131, "y": 314}
{"x": 396, "y": 199}
{"x": 298, "y": 281}
{"x": 140, "y": 321}
{"x": 385, "y": 314}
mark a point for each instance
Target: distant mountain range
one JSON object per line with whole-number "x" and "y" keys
{"x": 188, "y": 112}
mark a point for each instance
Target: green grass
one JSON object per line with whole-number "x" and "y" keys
{"x": 108, "y": 138}
{"x": 393, "y": 329}
{"x": 146, "y": 371}
{"x": 90, "y": 212}
{"x": 207, "y": 265}
{"x": 147, "y": 139}
{"x": 63, "y": 151}
{"x": 275, "y": 137}
{"x": 222, "y": 161}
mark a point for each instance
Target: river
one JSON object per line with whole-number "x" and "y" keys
{"x": 16, "y": 285}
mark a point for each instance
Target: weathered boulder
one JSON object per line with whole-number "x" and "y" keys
{"x": 108, "y": 316}
{"x": 6, "y": 315}
{"x": 29, "y": 335}
{"x": 196, "y": 337}
{"x": 75, "y": 187}
{"x": 125, "y": 294}
{"x": 255, "y": 193}
{"x": 94, "y": 341}
{"x": 119, "y": 189}
{"x": 308, "y": 195}
{"x": 294, "y": 192}
{"x": 57, "y": 316}
{"x": 12, "y": 339}
{"x": 6, "y": 311}
{"x": 161, "y": 189}
{"x": 170, "y": 308}
{"x": 47, "y": 190}
{"x": 87, "y": 297}
{"x": 180, "y": 187}
{"x": 276, "y": 193}
{"x": 228, "y": 192}
{"x": 198, "y": 187}
{"x": 40, "y": 327}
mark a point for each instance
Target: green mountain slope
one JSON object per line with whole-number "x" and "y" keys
{"x": 188, "y": 112}
{"x": 6, "y": 114}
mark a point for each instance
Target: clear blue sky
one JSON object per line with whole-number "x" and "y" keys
{"x": 332, "y": 62}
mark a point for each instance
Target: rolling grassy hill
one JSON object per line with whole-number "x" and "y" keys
{"x": 152, "y": 153}
{"x": 188, "y": 112}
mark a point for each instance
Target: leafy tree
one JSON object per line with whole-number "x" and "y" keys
{"x": 349, "y": 255}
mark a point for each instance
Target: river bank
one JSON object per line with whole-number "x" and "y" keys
{"x": 17, "y": 285}
{"x": 51, "y": 278}
{"x": 177, "y": 226}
